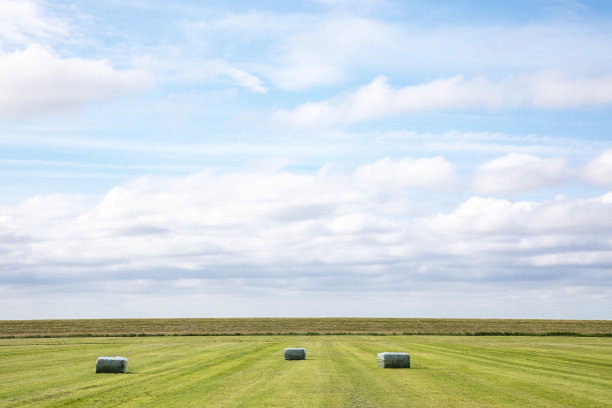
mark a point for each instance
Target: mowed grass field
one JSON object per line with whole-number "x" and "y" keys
{"x": 340, "y": 371}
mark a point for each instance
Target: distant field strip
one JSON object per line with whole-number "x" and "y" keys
{"x": 268, "y": 326}
{"x": 340, "y": 371}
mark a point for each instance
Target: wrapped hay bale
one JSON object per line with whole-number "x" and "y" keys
{"x": 295, "y": 354}
{"x": 111, "y": 365}
{"x": 393, "y": 360}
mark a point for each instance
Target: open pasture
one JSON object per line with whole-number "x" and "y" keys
{"x": 267, "y": 326}
{"x": 340, "y": 371}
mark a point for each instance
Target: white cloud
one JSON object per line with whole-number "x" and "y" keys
{"x": 246, "y": 224}
{"x": 261, "y": 225}
{"x": 22, "y": 21}
{"x": 599, "y": 169}
{"x": 324, "y": 54}
{"x": 182, "y": 70}
{"x": 247, "y": 80}
{"x": 220, "y": 68}
{"x": 435, "y": 173}
{"x": 515, "y": 173}
{"x": 550, "y": 90}
{"x": 525, "y": 218}
{"x": 479, "y": 215}
{"x": 499, "y": 240}
{"x": 199, "y": 223}
{"x": 299, "y": 51}
{"x": 35, "y": 81}
{"x": 378, "y": 99}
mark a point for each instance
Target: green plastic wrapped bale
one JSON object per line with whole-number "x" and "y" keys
{"x": 111, "y": 365}
{"x": 393, "y": 360}
{"x": 295, "y": 354}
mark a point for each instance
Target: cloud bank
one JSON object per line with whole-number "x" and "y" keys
{"x": 599, "y": 170}
{"x": 35, "y": 81}
{"x": 516, "y": 173}
{"x": 378, "y": 99}
{"x": 324, "y": 231}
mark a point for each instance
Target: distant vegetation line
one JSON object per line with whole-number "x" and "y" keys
{"x": 301, "y": 326}
{"x": 46, "y": 336}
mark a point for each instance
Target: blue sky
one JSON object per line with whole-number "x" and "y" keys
{"x": 313, "y": 158}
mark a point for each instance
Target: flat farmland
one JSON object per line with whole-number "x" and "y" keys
{"x": 267, "y": 326}
{"x": 340, "y": 371}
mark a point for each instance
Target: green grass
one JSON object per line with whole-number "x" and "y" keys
{"x": 340, "y": 371}
{"x": 164, "y": 327}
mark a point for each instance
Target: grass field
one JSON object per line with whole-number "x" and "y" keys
{"x": 138, "y": 327}
{"x": 340, "y": 371}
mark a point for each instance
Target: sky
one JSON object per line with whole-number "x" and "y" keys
{"x": 315, "y": 158}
